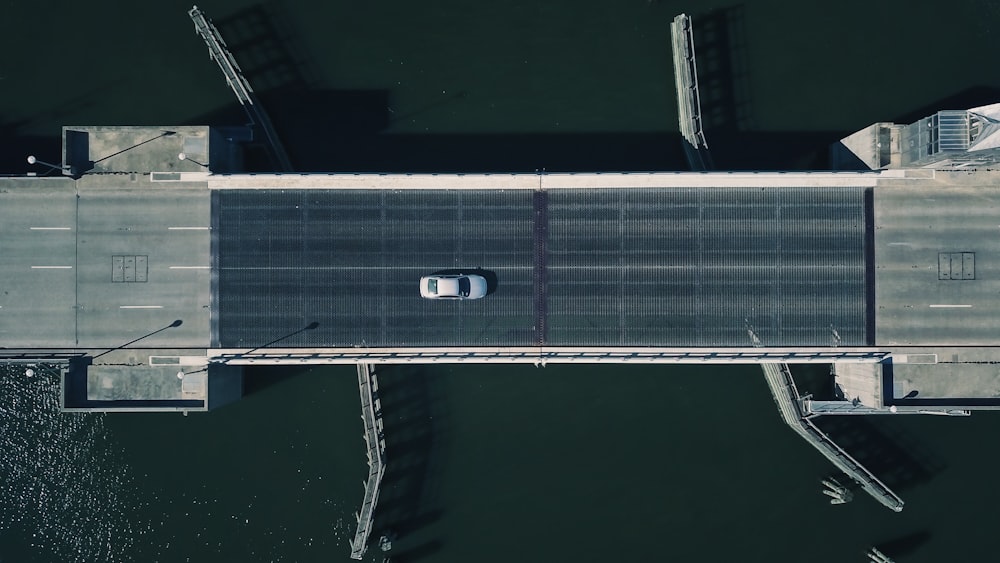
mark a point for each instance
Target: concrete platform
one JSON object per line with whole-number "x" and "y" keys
{"x": 967, "y": 377}
{"x": 150, "y": 383}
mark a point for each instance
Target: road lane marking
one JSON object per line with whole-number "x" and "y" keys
{"x": 51, "y": 228}
{"x": 190, "y": 267}
{"x": 51, "y": 267}
{"x": 140, "y": 306}
{"x": 187, "y": 228}
{"x": 950, "y": 306}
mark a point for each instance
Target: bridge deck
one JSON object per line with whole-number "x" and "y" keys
{"x": 97, "y": 263}
{"x": 569, "y": 267}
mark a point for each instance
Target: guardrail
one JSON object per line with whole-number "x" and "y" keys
{"x": 542, "y": 355}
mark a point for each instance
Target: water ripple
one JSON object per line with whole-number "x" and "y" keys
{"x": 64, "y": 481}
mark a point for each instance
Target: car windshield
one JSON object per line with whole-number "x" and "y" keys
{"x": 464, "y": 287}
{"x": 432, "y": 285}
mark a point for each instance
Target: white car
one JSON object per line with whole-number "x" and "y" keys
{"x": 466, "y": 286}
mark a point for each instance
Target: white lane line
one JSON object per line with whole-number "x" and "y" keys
{"x": 51, "y": 228}
{"x": 190, "y": 267}
{"x": 950, "y": 306}
{"x": 418, "y": 268}
{"x": 187, "y": 228}
{"x": 140, "y": 306}
{"x": 52, "y": 267}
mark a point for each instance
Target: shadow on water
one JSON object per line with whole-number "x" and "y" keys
{"x": 260, "y": 378}
{"x": 723, "y": 71}
{"x": 13, "y": 160}
{"x": 265, "y": 43}
{"x": 416, "y": 553}
{"x": 880, "y": 444}
{"x": 326, "y": 142}
{"x": 415, "y": 419}
{"x": 815, "y": 380}
{"x": 727, "y": 105}
{"x": 905, "y": 545}
{"x": 47, "y": 148}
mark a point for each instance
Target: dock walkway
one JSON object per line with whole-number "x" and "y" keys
{"x": 779, "y": 379}
{"x": 688, "y": 97}
{"x": 786, "y": 395}
{"x": 219, "y": 52}
{"x": 371, "y": 413}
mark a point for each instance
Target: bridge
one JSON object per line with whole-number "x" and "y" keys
{"x": 889, "y": 268}
{"x": 155, "y": 280}
{"x": 151, "y": 280}
{"x": 633, "y": 262}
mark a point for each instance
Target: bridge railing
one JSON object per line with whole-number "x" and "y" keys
{"x": 543, "y": 355}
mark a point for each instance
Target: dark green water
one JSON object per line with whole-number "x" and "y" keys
{"x": 491, "y": 463}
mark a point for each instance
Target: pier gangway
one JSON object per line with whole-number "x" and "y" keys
{"x": 779, "y": 379}
{"x": 371, "y": 413}
{"x": 688, "y": 96}
{"x": 219, "y": 52}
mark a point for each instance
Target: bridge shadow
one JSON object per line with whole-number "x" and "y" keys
{"x": 815, "y": 380}
{"x": 260, "y": 378}
{"x": 880, "y": 443}
{"x": 13, "y": 160}
{"x": 340, "y": 131}
{"x": 416, "y": 423}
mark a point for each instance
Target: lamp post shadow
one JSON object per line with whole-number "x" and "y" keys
{"x": 174, "y": 324}
{"x": 258, "y": 378}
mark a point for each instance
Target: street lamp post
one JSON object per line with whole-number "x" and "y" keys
{"x": 64, "y": 168}
{"x": 184, "y": 156}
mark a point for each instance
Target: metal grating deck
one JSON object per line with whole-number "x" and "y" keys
{"x": 679, "y": 267}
